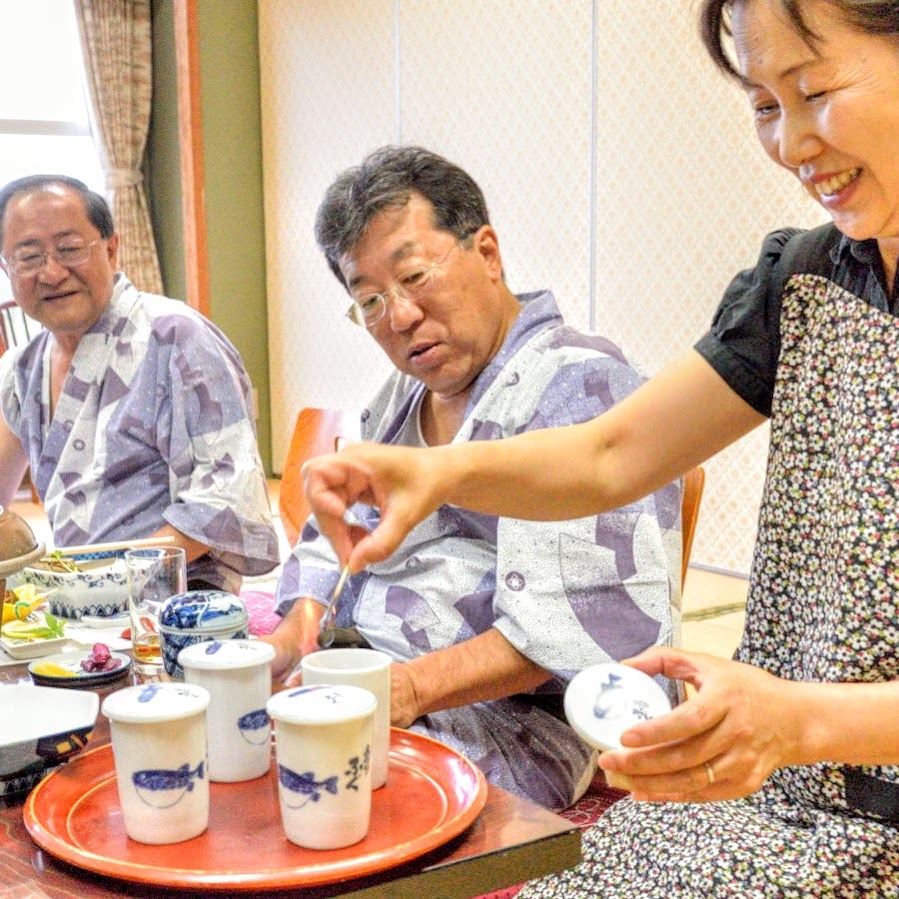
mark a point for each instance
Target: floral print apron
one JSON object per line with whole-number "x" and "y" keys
{"x": 823, "y": 606}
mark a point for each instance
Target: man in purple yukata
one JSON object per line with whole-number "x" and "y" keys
{"x": 487, "y": 618}
{"x": 132, "y": 410}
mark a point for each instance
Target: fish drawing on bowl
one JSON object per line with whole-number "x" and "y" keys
{"x": 255, "y": 727}
{"x": 164, "y": 787}
{"x": 304, "y": 787}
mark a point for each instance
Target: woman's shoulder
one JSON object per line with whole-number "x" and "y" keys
{"x": 792, "y": 251}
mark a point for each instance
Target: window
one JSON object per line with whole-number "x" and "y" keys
{"x": 44, "y": 125}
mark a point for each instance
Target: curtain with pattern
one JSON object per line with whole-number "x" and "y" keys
{"x": 116, "y": 43}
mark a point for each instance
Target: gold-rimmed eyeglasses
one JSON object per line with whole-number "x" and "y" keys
{"x": 413, "y": 284}
{"x": 29, "y": 262}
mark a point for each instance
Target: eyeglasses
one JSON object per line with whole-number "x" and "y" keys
{"x": 413, "y": 284}
{"x": 26, "y": 262}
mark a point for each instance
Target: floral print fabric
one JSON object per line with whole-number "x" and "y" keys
{"x": 822, "y": 607}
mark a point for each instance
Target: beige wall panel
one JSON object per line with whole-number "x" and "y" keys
{"x": 620, "y": 169}
{"x": 685, "y": 196}
{"x": 327, "y": 97}
{"x": 503, "y": 88}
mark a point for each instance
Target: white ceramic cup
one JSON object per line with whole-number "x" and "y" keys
{"x": 238, "y": 676}
{"x": 159, "y": 746}
{"x": 323, "y": 738}
{"x": 366, "y": 668}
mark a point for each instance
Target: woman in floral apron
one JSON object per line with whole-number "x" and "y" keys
{"x": 779, "y": 776}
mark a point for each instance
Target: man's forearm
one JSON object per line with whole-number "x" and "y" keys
{"x": 477, "y": 670}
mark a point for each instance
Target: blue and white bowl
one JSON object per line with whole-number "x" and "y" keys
{"x": 100, "y": 589}
{"x": 199, "y": 616}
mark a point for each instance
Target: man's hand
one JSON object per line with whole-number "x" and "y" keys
{"x": 294, "y": 637}
{"x": 483, "y": 668}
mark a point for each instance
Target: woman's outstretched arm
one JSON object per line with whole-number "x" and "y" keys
{"x": 679, "y": 418}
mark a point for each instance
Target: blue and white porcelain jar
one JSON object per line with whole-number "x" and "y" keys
{"x": 199, "y": 616}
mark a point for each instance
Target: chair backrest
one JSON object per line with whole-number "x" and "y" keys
{"x": 694, "y": 482}
{"x": 317, "y": 431}
{"x": 16, "y": 328}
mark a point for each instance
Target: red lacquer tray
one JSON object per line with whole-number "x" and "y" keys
{"x": 432, "y": 794}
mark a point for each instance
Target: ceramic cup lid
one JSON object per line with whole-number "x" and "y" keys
{"x": 321, "y": 704}
{"x": 217, "y": 655}
{"x": 150, "y": 703}
{"x": 603, "y": 701}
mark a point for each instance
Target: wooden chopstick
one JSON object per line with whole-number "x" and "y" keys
{"x": 109, "y": 547}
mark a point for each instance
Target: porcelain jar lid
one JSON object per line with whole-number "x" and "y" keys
{"x": 152, "y": 703}
{"x": 603, "y": 701}
{"x": 203, "y": 612}
{"x": 321, "y": 704}
{"x": 217, "y": 655}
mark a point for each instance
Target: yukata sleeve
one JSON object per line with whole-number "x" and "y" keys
{"x": 216, "y": 480}
{"x": 311, "y": 570}
{"x": 594, "y": 589}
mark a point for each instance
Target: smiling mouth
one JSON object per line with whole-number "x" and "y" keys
{"x": 836, "y": 183}
{"x": 60, "y": 295}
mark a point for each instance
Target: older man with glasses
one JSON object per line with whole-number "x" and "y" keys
{"x": 487, "y": 618}
{"x": 133, "y": 411}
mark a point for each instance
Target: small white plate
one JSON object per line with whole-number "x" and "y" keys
{"x": 32, "y": 649}
{"x": 603, "y": 701}
{"x": 121, "y": 620}
{"x": 71, "y": 661}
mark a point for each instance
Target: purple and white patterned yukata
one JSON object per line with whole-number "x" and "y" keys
{"x": 153, "y": 426}
{"x": 566, "y": 594}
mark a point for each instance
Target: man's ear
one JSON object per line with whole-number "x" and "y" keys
{"x": 486, "y": 242}
{"x": 112, "y": 249}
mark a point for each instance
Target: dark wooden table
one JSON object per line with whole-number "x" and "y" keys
{"x": 511, "y": 840}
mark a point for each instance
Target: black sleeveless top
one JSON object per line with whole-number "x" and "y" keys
{"x": 743, "y": 342}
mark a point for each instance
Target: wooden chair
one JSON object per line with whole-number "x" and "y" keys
{"x": 17, "y": 329}
{"x": 317, "y": 431}
{"x": 694, "y": 483}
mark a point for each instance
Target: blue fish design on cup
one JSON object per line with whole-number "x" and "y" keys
{"x": 164, "y": 787}
{"x": 255, "y": 727}
{"x": 304, "y": 786}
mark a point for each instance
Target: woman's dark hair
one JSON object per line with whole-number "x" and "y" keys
{"x": 387, "y": 178}
{"x": 95, "y": 206}
{"x": 872, "y": 16}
